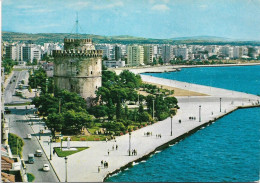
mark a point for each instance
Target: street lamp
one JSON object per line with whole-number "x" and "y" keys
{"x": 220, "y": 104}
{"x": 153, "y": 109}
{"x": 39, "y": 128}
{"x": 200, "y": 113}
{"x": 25, "y": 170}
{"x": 66, "y": 169}
{"x": 46, "y": 87}
{"x": 130, "y": 143}
{"x": 50, "y": 148}
{"x": 59, "y": 104}
{"x": 171, "y": 125}
{"x": 39, "y": 133}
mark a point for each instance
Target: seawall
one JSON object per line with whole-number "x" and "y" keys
{"x": 174, "y": 141}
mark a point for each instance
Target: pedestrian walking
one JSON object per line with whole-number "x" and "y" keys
{"x": 113, "y": 147}
{"x": 116, "y": 147}
{"x": 102, "y": 162}
{"x": 53, "y": 151}
{"x": 98, "y": 169}
{"x": 108, "y": 152}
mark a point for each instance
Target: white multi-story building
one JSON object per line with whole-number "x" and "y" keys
{"x": 10, "y": 52}
{"x": 181, "y": 52}
{"x": 135, "y": 55}
{"x": 49, "y": 47}
{"x": 167, "y": 53}
{"x": 227, "y": 51}
{"x": 108, "y": 50}
{"x": 148, "y": 54}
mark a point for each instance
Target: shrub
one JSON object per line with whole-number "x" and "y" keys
{"x": 82, "y": 139}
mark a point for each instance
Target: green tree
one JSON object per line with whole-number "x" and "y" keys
{"x": 55, "y": 122}
{"x": 129, "y": 79}
{"x": 154, "y": 61}
{"x": 110, "y": 109}
{"x": 160, "y": 60}
{"x": 8, "y": 65}
{"x": 98, "y": 111}
{"x": 149, "y": 102}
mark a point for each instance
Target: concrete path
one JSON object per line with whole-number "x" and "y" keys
{"x": 83, "y": 166}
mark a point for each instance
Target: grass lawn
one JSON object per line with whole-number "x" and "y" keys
{"x": 30, "y": 177}
{"x": 93, "y": 129}
{"x": 88, "y": 138}
{"x": 67, "y": 153}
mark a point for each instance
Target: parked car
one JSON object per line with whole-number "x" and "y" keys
{"x": 38, "y": 153}
{"x": 46, "y": 167}
{"x": 29, "y": 136}
{"x": 30, "y": 158}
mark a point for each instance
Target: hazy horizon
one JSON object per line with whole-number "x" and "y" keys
{"x": 155, "y": 19}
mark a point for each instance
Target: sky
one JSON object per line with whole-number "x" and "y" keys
{"x": 233, "y": 19}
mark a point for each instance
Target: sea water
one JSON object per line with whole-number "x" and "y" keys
{"x": 227, "y": 150}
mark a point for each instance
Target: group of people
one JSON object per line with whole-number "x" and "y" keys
{"x": 158, "y": 135}
{"x": 192, "y": 118}
{"x": 112, "y": 138}
{"x": 134, "y": 152}
{"x": 113, "y": 147}
{"x": 104, "y": 163}
{"x": 148, "y": 134}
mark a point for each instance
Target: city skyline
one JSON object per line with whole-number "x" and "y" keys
{"x": 165, "y": 19}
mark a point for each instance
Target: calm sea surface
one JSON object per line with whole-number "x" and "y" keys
{"x": 228, "y": 150}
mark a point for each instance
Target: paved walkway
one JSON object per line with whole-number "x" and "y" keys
{"x": 83, "y": 166}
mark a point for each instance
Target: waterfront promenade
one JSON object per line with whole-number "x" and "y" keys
{"x": 172, "y": 68}
{"x": 83, "y": 166}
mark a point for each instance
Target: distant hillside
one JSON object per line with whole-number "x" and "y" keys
{"x": 205, "y": 38}
{"x": 41, "y": 38}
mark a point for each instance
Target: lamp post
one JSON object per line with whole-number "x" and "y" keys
{"x": 171, "y": 125}
{"x": 66, "y": 169}
{"x": 220, "y": 104}
{"x": 39, "y": 132}
{"x": 129, "y": 143}
{"x": 39, "y": 126}
{"x": 50, "y": 148}
{"x": 200, "y": 113}
{"x": 59, "y": 104}
{"x": 46, "y": 87}
{"x": 61, "y": 138}
{"x": 153, "y": 109}
{"x": 25, "y": 170}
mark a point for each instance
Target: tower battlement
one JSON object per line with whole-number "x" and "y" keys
{"x": 77, "y": 53}
{"x": 78, "y": 68}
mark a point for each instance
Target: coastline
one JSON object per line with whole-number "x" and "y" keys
{"x": 82, "y": 166}
{"x": 172, "y": 68}
{"x": 172, "y": 142}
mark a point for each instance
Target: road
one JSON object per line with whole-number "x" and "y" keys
{"x": 20, "y": 125}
